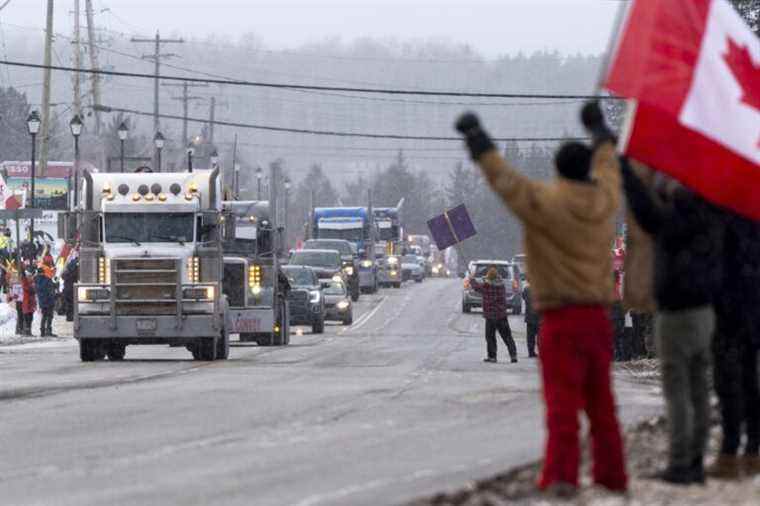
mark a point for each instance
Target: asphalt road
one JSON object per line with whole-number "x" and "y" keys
{"x": 396, "y": 406}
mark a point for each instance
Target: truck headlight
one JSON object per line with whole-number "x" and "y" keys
{"x": 104, "y": 271}
{"x": 435, "y": 270}
{"x": 349, "y": 270}
{"x": 199, "y": 293}
{"x": 367, "y": 264}
{"x": 342, "y": 305}
{"x": 392, "y": 261}
{"x": 337, "y": 278}
{"x": 394, "y": 273}
{"x": 314, "y": 296}
{"x": 193, "y": 269}
{"x": 256, "y": 290}
{"x": 85, "y": 294}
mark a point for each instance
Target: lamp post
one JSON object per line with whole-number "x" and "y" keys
{"x": 76, "y": 130}
{"x": 259, "y": 175}
{"x": 190, "y": 153}
{"x": 214, "y": 159}
{"x": 123, "y": 132}
{"x": 33, "y": 124}
{"x": 159, "y": 141}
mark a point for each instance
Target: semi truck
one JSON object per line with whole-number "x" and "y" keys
{"x": 151, "y": 264}
{"x": 353, "y": 224}
{"x": 256, "y": 291}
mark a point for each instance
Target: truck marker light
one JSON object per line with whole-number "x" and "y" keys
{"x": 155, "y": 189}
{"x": 143, "y": 189}
{"x": 175, "y": 188}
{"x": 106, "y": 188}
{"x": 192, "y": 187}
{"x": 162, "y": 197}
{"x": 149, "y": 197}
{"x": 123, "y": 189}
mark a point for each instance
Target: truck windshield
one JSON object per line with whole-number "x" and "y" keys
{"x": 148, "y": 227}
{"x": 316, "y": 258}
{"x": 348, "y": 234}
{"x": 504, "y": 271}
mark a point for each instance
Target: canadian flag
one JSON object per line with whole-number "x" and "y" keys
{"x": 692, "y": 70}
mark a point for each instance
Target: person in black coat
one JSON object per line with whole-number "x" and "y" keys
{"x": 735, "y": 349}
{"x": 70, "y": 277}
{"x": 532, "y": 322}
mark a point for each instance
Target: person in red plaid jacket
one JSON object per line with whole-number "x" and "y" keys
{"x": 495, "y": 312}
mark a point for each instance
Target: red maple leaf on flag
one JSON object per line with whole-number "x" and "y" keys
{"x": 745, "y": 71}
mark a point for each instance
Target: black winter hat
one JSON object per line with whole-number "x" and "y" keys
{"x": 573, "y": 161}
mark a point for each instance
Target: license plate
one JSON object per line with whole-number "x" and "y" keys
{"x": 146, "y": 325}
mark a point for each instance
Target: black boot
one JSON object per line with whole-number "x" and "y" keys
{"x": 698, "y": 470}
{"x": 674, "y": 475}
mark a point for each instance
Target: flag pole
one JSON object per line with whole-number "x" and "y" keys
{"x": 620, "y": 16}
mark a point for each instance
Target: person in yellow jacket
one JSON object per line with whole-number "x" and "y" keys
{"x": 569, "y": 224}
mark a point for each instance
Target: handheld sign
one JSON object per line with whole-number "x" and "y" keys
{"x": 451, "y": 227}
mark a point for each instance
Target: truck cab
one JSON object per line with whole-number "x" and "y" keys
{"x": 256, "y": 289}
{"x": 150, "y": 264}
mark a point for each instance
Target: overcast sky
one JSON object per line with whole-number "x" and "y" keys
{"x": 492, "y": 27}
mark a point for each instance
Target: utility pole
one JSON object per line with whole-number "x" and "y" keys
{"x": 77, "y": 60}
{"x": 156, "y": 57}
{"x": 93, "y": 64}
{"x": 45, "y": 133}
{"x": 186, "y": 99}
{"x": 211, "y": 120}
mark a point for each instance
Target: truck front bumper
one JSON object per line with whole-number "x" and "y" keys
{"x": 148, "y": 329}
{"x": 251, "y": 320}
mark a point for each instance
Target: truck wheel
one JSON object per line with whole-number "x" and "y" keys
{"x": 318, "y": 327}
{"x": 205, "y": 349}
{"x": 116, "y": 352}
{"x": 90, "y": 350}
{"x": 264, "y": 339}
{"x": 223, "y": 346}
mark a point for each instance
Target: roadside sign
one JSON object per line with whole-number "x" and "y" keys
{"x": 451, "y": 227}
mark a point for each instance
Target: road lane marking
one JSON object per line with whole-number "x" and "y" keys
{"x": 364, "y": 318}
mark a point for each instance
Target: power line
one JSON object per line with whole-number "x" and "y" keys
{"x": 333, "y": 133}
{"x": 386, "y": 91}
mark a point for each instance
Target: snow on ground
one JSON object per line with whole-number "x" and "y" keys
{"x": 62, "y": 328}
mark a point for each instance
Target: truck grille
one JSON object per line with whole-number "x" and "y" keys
{"x": 234, "y": 284}
{"x": 298, "y": 301}
{"x": 146, "y": 286}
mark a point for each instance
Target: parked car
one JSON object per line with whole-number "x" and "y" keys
{"x": 338, "y": 303}
{"x": 412, "y": 269}
{"x": 508, "y": 271}
{"x": 306, "y": 299}
{"x": 349, "y": 259}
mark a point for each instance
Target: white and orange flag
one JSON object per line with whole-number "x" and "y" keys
{"x": 692, "y": 70}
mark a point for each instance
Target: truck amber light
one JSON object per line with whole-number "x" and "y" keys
{"x": 106, "y": 188}
{"x": 162, "y": 197}
{"x": 188, "y": 196}
{"x": 104, "y": 271}
{"x": 254, "y": 277}
{"x": 149, "y": 197}
{"x": 136, "y": 197}
{"x": 193, "y": 269}
{"x": 192, "y": 187}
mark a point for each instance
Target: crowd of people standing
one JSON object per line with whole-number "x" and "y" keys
{"x": 32, "y": 281}
{"x": 703, "y": 276}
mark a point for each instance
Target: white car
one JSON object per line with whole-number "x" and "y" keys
{"x": 411, "y": 268}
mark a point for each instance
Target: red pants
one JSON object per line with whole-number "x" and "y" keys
{"x": 576, "y": 351}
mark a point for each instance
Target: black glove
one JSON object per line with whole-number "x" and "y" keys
{"x": 477, "y": 139}
{"x": 593, "y": 120}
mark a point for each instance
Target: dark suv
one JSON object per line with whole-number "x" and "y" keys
{"x": 348, "y": 256}
{"x": 305, "y": 299}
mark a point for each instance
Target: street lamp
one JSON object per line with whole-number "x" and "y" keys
{"x": 214, "y": 159}
{"x": 76, "y": 130}
{"x": 33, "y": 124}
{"x": 123, "y": 132}
{"x": 159, "y": 142}
{"x": 190, "y": 153}
{"x": 259, "y": 175}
